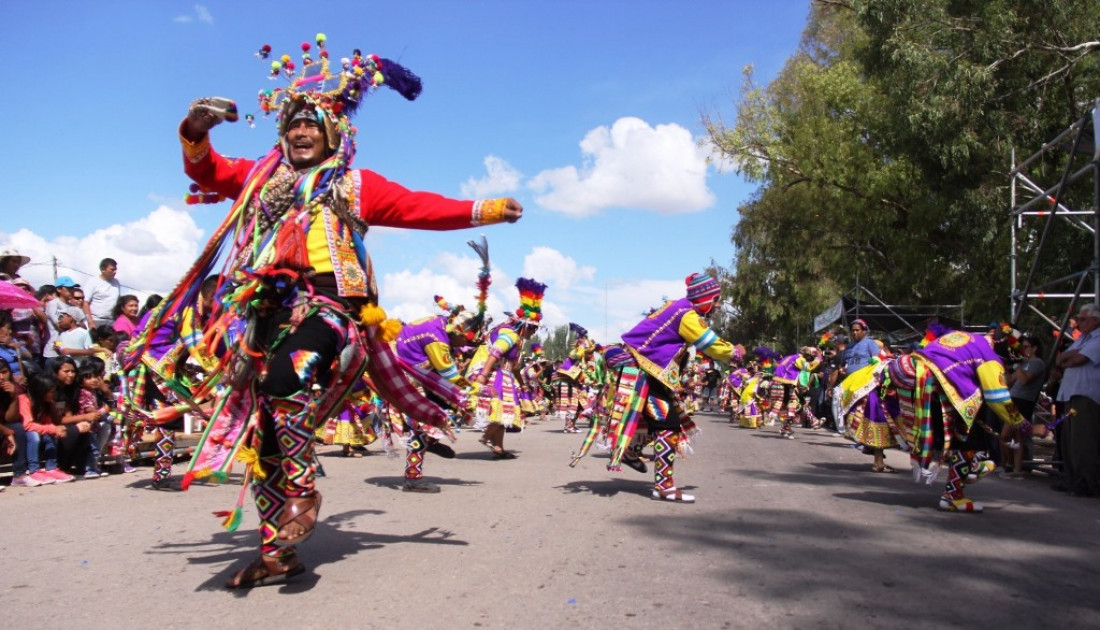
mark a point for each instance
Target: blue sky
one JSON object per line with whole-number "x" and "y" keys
{"x": 587, "y": 112}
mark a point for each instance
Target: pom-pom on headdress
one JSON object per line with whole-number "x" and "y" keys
{"x": 579, "y": 331}
{"x": 445, "y": 306}
{"x": 530, "y": 301}
{"x": 338, "y": 90}
{"x": 934, "y": 331}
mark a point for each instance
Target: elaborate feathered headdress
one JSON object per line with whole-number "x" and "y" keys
{"x": 530, "y": 301}
{"x": 341, "y": 90}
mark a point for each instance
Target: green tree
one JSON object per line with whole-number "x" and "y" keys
{"x": 881, "y": 151}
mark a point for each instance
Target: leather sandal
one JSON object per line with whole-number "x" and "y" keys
{"x": 882, "y": 469}
{"x": 500, "y": 453}
{"x": 265, "y": 571}
{"x": 673, "y": 494}
{"x": 302, "y": 511}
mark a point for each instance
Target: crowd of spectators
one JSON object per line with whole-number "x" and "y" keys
{"x": 59, "y": 383}
{"x": 59, "y": 375}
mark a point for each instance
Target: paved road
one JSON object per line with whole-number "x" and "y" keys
{"x": 785, "y": 534}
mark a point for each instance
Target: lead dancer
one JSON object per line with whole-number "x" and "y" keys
{"x": 302, "y": 279}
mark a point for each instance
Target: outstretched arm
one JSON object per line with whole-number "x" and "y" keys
{"x": 382, "y": 202}
{"x": 202, "y": 164}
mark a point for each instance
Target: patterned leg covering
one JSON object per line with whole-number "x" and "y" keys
{"x": 414, "y": 459}
{"x": 664, "y": 454}
{"x": 270, "y": 497}
{"x": 295, "y": 424}
{"x": 165, "y": 444}
{"x": 958, "y": 471}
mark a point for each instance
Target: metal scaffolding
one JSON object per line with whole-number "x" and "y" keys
{"x": 1080, "y": 148}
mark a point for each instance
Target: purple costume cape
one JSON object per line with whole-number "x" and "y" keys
{"x": 411, "y": 344}
{"x": 785, "y": 371}
{"x": 656, "y": 343}
{"x": 415, "y": 337}
{"x": 954, "y": 359}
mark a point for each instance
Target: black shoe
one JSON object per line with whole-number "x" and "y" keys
{"x": 439, "y": 448}
{"x": 636, "y": 464}
{"x": 167, "y": 484}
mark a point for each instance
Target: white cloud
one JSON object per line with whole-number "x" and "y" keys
{"x": 630, "y": 165}
{"x": 500, "y": 179}
{"x": 551, "y": 267}
{"x": 410, "y": 295}
{"x": 153, "y": 252}
{"x": 202, "y": 14}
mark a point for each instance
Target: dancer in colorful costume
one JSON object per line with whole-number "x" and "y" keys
{"x": 493, "y": 369}
{"x": 734, "y": 384}
{"x": 941, "y": 391}
{"x": 868, "y": 421}
{"x": 160, "y": 383}
{"x": 427, "y": 347}
{"x": 658, "y": 347}
{"x": 783, "y": 403}
{"x": 302, "y": 280}
{"x": 571, "y": 379}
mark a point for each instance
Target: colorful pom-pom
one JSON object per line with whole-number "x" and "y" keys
{"x": 388, "y": 330}
{"x": 371, "y": 315}
{"x": 321, "y": 38}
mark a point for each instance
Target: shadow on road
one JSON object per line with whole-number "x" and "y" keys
{"x": 331, "y": 542}
{"x": 394, "y": 482}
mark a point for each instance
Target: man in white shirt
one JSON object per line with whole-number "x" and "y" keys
{"x": 101, "y": 294}
{"x": 1079, "y": 394}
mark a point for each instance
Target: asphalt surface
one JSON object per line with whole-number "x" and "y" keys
{"x": 785, "y": 534}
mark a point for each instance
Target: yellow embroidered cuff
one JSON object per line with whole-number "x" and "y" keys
{"x": 488, "y": 211}
{"x": 195, "y": 151}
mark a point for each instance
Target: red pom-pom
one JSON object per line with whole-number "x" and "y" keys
{"x": 265, "y": 48}
{"x": 306, "y": 46}
{"x": 324, "y": 54}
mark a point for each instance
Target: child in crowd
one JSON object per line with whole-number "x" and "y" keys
{"x": 93, "y": 401}
{"x": 75, "y": 447}
{"x": 72, "y": 340}
{"x": 44, "y": 429}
